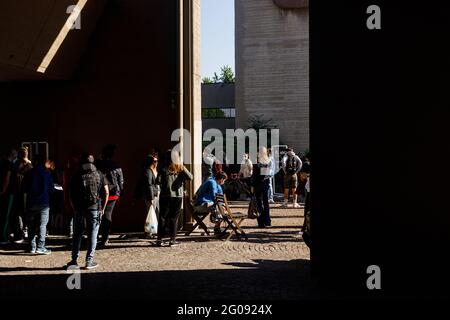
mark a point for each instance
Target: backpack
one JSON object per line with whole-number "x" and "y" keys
{"x": 114, "y": 183}
{"x": 291, "y": 164}
{"x": 89, "y": 188}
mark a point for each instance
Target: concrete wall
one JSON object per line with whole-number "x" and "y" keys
{"x": 218, "y": 95}
{"x": 272, "y": 68}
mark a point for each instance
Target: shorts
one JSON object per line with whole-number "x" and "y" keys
{"x": 290, "y": 181}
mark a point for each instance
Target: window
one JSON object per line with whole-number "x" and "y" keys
{"x": 218, "y": 113}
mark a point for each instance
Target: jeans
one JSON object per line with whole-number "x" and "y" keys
{"x": 17, "y": 218}
{"x": 107, "y": 220}
{"x": 93, "y": 223}
{"x": 37, "y": 220}
{"x": 170, "y": 209}
{"x": 262, "y": 199}
{"x": 270, "y": 189}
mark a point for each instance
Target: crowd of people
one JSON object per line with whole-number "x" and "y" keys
{"x": 93, "y": 187}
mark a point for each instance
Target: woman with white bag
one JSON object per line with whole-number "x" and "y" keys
{"x": 148, "y": 190}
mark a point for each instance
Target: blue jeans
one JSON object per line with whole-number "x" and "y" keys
{"x": 37, "y": 218}
{"x": 93, "y": 223}
{"x": 262, "y": 199}
{"x": 270, "y": 189}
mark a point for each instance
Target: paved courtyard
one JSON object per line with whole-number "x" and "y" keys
{"x": 272, "y": 264}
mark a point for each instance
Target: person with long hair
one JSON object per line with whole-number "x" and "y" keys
{"x": 171, "y": 180}
{"x": 260, "y": 186}
{"x": 147, "y": 188}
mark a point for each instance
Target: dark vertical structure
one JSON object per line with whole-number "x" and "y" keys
{"x": 379, "y": 129}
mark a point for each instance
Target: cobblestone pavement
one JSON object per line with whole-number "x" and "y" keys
{"x": 272, "y": 264}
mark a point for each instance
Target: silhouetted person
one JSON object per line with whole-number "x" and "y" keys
{"x": 171, "y": 180}
{"x": 114, "y": 176}
{"x": 147, "y": 188}
{"x": 37, "y": 188}
{"x": 291, "y": 167}
{"x": 89, "y": 194}
{"x": 260, "y": 186}
{"x": 23, "y": 165}
{"x": 7, "y": 193}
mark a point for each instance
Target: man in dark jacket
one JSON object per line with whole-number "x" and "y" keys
{"x": 114, "y": 176}
{"x": 37, "y": 187}
{"x": 7, "y": 176}
{"x": 89, "y": 194}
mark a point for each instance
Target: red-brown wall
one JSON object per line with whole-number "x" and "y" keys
{"x": 121, "y": 93}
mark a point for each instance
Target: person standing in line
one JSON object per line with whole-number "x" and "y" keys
{"x": 260, "y": 187}
{"x": 171, "y": 180}
{"x": 147, "y": 188}
{"x": 291, "y": 167}
{"x": 23, "y": 165}
{"x": 89, "y": 194}
{"x": 272, "y": 174}
{"x": 14, "y": 221}
{"x": 37, "y": 187}
{"x": 69, "y": 172}
{"x": 57, "y": 197}
{"x": 114, "y": 175}
{"x": 246, "y": 171}
{"x": 307, "y": 220}
{"x": 7, "y": 192}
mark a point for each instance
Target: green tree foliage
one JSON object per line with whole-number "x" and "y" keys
{"x": 207, "y": 80}
{"x": 258, "y": 122}
{"x": 226, "y": 76}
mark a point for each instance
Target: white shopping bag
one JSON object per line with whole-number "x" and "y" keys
{"x": 151, "y": 223}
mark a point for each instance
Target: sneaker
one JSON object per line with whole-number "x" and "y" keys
{"x": 91, "y": 265}
{"x": 71, "y": 264}
{"x": 43, "y": 251}
{"x": 284, "y": 205}
{"x": 271, "y": 201}
{"x": 174, "y": 243}
{"x": 19, "y": 241}
{"x": 296, "y": 205}
{"x": 32, "y": 251}
{"x": 215, "y": 217}
{"x": 103, "y": 244}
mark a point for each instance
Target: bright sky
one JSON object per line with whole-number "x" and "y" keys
{"x": 217, "y": 35}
